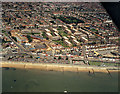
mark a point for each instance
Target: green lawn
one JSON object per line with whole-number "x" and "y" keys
{"x": 3, "y": 31}
{"x": 93, "y": 30}
{"x": 44, "y": 36}
{"x": 110, "y": 64}
{"x": 59, "y": 28}
{"x": 6, "y": 34}
{"x": 31, "y": 33}
{"x": 61, "y": 42}
{"x": 95, "y": 63}
{"x": 62, "y": 33}
{"x": 100, "y": 63}
{"x": 52, "y": 34}
{"x": 69, "y": 19}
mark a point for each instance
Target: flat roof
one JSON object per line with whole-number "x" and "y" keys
{"x": 55, "y": 29}
{"x": 65, "y": 37}
{"x": 49, "y": 34}
{"x": 76, "y": 41}
{"x": 74, "y": 29}
{"x": 84, "y": 38}
{"x": 68, "y": 29}
{"x": 47, "y": 30}
{"x": 73, "y": 37}
{"x": 67, "y": 41}
{"x": 56, "y": 33}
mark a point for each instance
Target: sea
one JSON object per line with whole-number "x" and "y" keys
{"x": 35, "y": 80}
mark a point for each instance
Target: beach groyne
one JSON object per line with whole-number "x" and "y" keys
{"x": 60, "y": 67}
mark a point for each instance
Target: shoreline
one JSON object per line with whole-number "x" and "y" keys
{"x": 59, "y": 67}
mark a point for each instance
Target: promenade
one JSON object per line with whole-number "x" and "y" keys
{"x": 59, "y": 67}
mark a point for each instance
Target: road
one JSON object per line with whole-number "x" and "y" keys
{"x": 23, "y": 50}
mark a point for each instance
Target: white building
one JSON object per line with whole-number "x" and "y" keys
{"x": 55, "y": 30}
{"x": 48, "y": 35}
{"x": 65, "y": 38}
{"x": 72, "y": 37}
{"x": 56, "y": 34}
{"x": 47, "y": 30}
{"x": 68, "y": 43}
{"x": 74, "y": 30}
{"x": 76, "y": 42}
{"x": 83, "y": 39}
{"x": 68, "y": 31}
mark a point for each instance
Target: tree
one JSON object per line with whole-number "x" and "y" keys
{"x": 66, "y": 58}
{"x": 9, "y": 33}
{"x": 75, "y": 21}
{"x": 32, "y": 33}
{"x": 43, "y": 34}
{"x": 31, "y": 56}
{"x": 14, "y": 38}
{"x": 47, "y": 38}
{"x": 36, "y": 26}
{"x": 29, "y": 38}
{"x": 59, "y": 57}
{"x": 2, "y": 40}
{"x": 79, "y": 54}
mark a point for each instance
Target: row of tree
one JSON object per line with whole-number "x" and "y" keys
{"x": 60, "y": 58}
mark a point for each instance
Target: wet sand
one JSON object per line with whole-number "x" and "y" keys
{"x": 59, "y": 67}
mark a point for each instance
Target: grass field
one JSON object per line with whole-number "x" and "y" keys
{"x": 62, "y": 33}
{"x": 61, "y": 42}
{"x": 101, "y": 63}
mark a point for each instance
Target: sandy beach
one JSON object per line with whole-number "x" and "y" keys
{"x": 59, "y": 67}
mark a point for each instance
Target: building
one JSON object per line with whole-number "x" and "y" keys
{"x": 83, "y": 39}
{"x": 65, "y": 27}
{"x": 55, "y": 33}
{"x": 26, "y": 31}
{"x": 49, "y": 35}
{"x": 108, "y": 21}
{"x": 67, "y": 43}
{"x": 72, "y": 38}
{"x": 67, "y": 31}
{"x": 91, "y": 36}
{"x": 20, "y": 38}
{"x": 56, "y": 38}
{"x": 58, "y": 13}
{"x": 47, "y": 30}
{"x": 55, "y": 30}
{"x": 70, "y": 26}
{"x": 113, "y": 38}
{"x": 39, "y": 47}
{"x": 85, "y": 32}
{"x": 65, "y": 38}
{"x": 74, "y": 30}
{"x": 56, "y": 46}
{"x": 78, "y": 33}
{"x": 75, "y": 42}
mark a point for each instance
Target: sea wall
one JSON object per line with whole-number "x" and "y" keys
{"x": 59, "y": 67}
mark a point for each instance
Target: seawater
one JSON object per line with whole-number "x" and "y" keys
{"x": 35, "y": 80}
